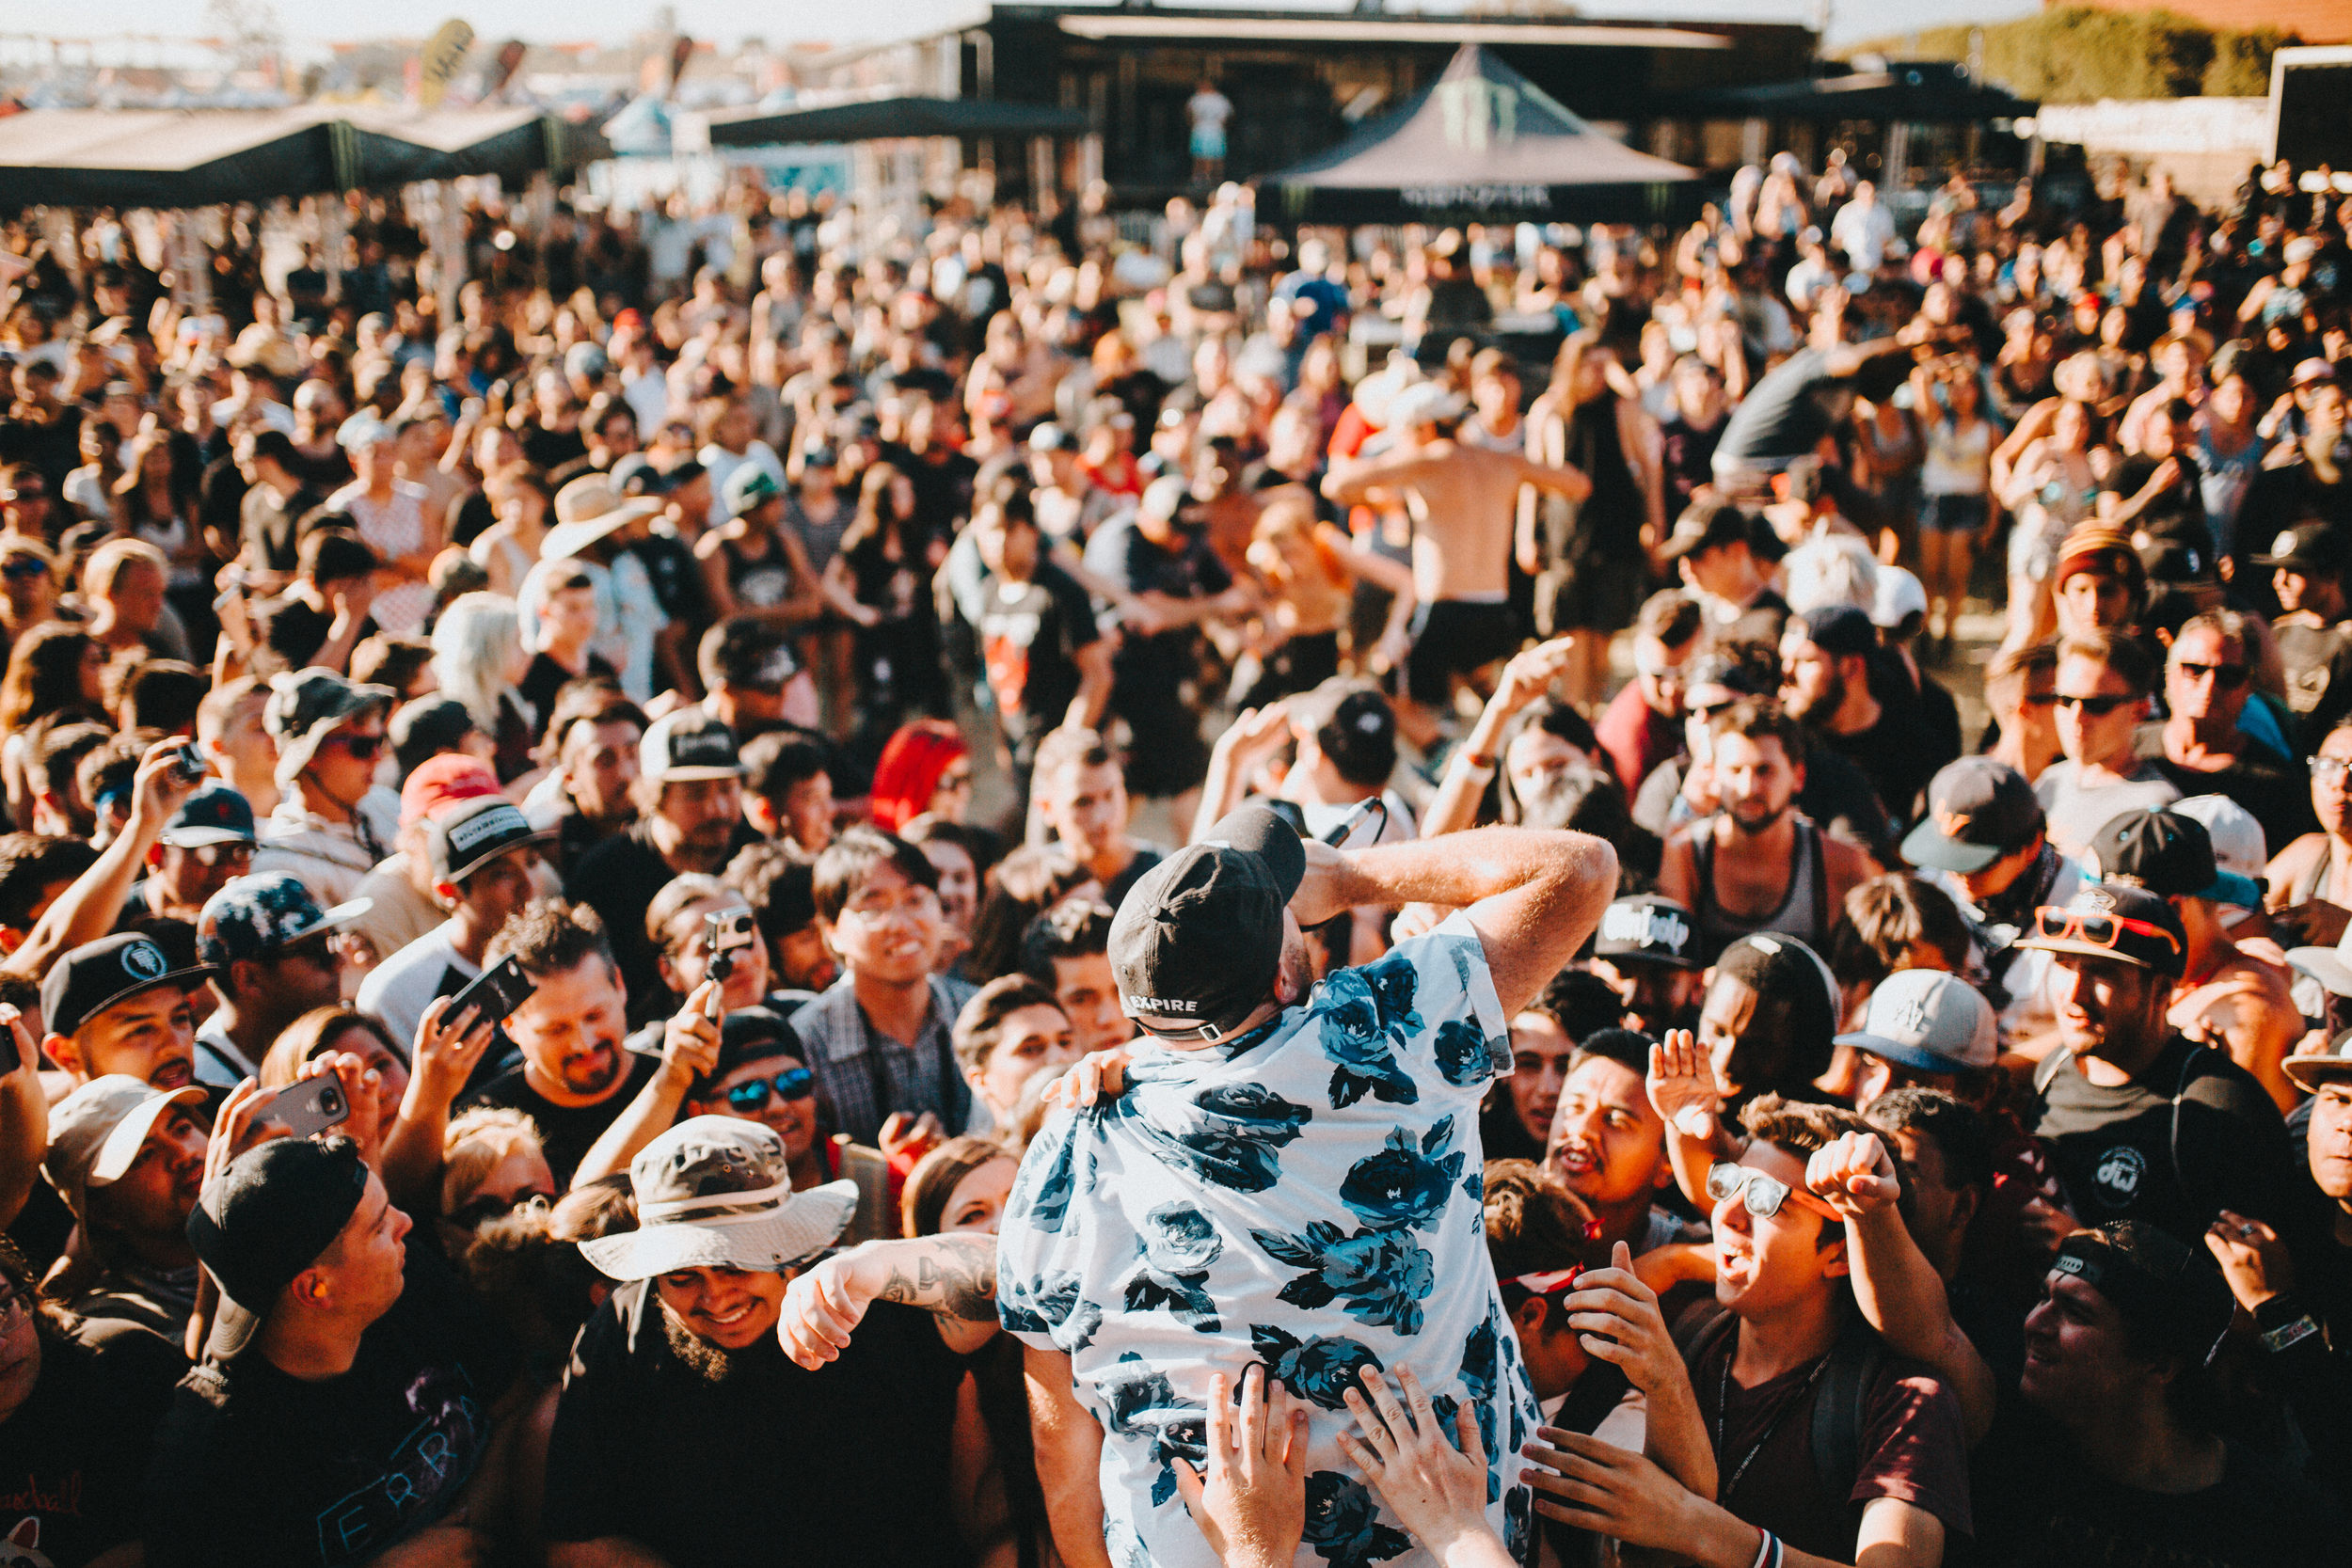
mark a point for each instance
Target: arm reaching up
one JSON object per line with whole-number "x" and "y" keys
{"x": 952, "y": 1277}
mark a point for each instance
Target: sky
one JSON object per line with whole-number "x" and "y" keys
{"x": 725, "y": 21}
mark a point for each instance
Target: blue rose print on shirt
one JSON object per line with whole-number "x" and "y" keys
{"x": 1041, "y": 1192}
{"x": 1380, "y": 1277}
{"x": 1478, "y": 1376}
{"x": 1364, "y": 1013}
{"x": 1404, "y": 1187}
{"x": 1179, "y": 1244}
{"x": 1319, "y": 1369}
{"x": 1464, "y": 1055}
{"x": 1343, "y": 1525}
{"x": 1233, "y": 1145}
{"x": 1055, "y": 1309}
{"x": 1144, "y": 1406}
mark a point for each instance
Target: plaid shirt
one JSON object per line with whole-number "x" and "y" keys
{"x": 865, "y": 1074}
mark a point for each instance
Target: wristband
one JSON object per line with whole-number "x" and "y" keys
{"x": 1767, "y": 1550}
{"x": 2276, "y": 1340}
{"x": 1477, "y": 767}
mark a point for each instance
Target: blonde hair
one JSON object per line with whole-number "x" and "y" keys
{"x": 471, "y": 645}
{"x": 473, "y": 1144}
{"x": 107, "y": 562}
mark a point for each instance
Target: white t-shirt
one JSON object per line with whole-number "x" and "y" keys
{"x": 397, "y": 991}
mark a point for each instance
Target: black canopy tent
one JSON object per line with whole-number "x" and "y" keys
{"x": 879, "y": 118}
{"x": 202, "y": 157}
{"x": 1481, "y": 143}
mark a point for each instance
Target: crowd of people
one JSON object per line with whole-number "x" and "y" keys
{"x": 802, "y": 889}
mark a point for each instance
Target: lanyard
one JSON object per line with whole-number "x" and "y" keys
{"x": 1722, "y": 1404}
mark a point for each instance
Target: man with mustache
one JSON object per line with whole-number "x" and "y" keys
{"x": 691, "y": 798}
{"x": 129, "y": 1162}
{"x": 116, "y": 1005}
{"x": 574, "y": 1080}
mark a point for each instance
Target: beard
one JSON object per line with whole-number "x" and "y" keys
{"x": 1755, "y": 826}
{"x": 1823, "y": 706}
{"x": 716, "y": 1364}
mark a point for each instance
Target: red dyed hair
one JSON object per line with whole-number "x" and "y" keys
{"x": 910, "y": 768}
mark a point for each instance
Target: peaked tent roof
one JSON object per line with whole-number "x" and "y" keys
{"x": 197, "y": 157}
{"x": 1482, "y": 142}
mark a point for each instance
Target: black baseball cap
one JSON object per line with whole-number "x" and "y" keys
{"x": 265, "y": 1220}
{"x": 2102, "y": 910}
{"x": 2309, "y": 548}
{"x": 1840, "y": 630}
{"x": 461, "y": 839}
{"x": 2155, "y": 1281}
{"x": 1199, "y": 935}
{"x": 213, "y": 815}
{"x": 1648, "y": 927}
{"x": 1978, "y": 810}
{"x": 97, "y": 975}
{"x": 2170, "y": 855}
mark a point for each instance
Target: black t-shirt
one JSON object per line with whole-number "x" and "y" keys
{"x": 1029, "y": 634}
{"x": 566, "y": 1132}
{"x": 2178, "y": 513}
{"x": 1150, "y": 669}
{"x": 770, "y": 1465}
{"x": 1894, "y": 754}
{"x": 677, "y": 577}
{"x": 2318, "y": 663}
{"x": 473, "y": 519}
{"x": 552, "y": 449}
{"x": 74, "y": 1454}
{"x": 545, "y": 677}
{"x": 2037, "y": 1505}
{"x": 2277, "y": 796}
{"x": 1782, "y": 416}
{"x": 619, "y": 878}
{"x": 253, "y": 1466}
{"x": 1147, "y": 856}
{"x": 2114, "y": 1146}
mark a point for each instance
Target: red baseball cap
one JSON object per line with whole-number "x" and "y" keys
{"x": 441, "y": 780}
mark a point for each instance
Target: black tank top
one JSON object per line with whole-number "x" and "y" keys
{"x": 1804, "y": 910}
{"x": 759, "y": 582}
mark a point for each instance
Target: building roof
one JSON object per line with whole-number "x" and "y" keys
{"x": 1906, "y": 89}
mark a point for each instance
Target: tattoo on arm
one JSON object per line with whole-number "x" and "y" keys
{"x": 952, "y": 1275}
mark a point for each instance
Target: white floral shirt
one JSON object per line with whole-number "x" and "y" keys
{"x": 1306, "y": 1196}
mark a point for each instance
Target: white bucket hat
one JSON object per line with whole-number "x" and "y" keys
{"x": 716, "y": 1192}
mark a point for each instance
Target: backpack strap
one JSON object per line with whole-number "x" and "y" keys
{"x": 1840, "y": 1409}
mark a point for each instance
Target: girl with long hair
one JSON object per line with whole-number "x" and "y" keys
{"x": 55, "y": 673}
{"x": 509, "y": 547}
{"x": 477, "y": 657}
{"x": 881, "y": 578}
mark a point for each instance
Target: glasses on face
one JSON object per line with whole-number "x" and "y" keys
{"x": 361, "y": 747}
{"x": 793, "y": 1082}
{"x": 2042, "y": 699}
{"x": 2098, "y": 708}
{"x": 1760, "y": 1192}
{"x": 954, "y": 779}
{"x": 2226, "y": 676}
{"x": 2099, "y": 930}
{"x": 2330, "y": 769}
{"x": 920, "y": 901}
{"x": 22, "y": 569}
{"x": 217, "y": 854}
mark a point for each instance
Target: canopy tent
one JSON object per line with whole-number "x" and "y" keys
{"x": 199, "y": 157}
{"x": 880, "y": 119}
{"x": 1482, "y": 143}
{"x": 1915, "y": 92}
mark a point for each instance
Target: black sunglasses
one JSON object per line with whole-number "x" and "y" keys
{"x": 2226, "y": 676}
{"x": 24, "y": 569}
{"x": 2098, "y": 708}
{"x": 793, "y": 1082}
{"x": 361, "y": 747}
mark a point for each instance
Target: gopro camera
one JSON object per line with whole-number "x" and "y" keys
{"x": 726, "y": 935}
{"x": 188, "y": 764}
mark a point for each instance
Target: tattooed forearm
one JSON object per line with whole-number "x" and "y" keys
{"x": 953, "y": 1276}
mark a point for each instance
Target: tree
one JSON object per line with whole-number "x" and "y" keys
{"x": 2079, "y": 53}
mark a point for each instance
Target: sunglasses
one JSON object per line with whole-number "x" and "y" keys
{"x": 361, "y": 747}
{"x": 22, "y": 569}
{"x": 1713, "y": 708}
{"x": 2042, "y": 699}
{"x": 2226, "y": 676}
{"x": 2099, "y": 930}
{"x": 793, "y": 1082}
{"x": 2098, "y": 708}
{"x": 213, "y": 854}
{"x": 1552, "y": 1282}
{"x": 1762, "y": 1192}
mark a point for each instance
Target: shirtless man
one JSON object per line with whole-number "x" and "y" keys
{"x": 1463, "y": 502}
{"x": 1760, "y": 864}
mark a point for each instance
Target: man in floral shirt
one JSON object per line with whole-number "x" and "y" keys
{"x": 1287, "y": 1177}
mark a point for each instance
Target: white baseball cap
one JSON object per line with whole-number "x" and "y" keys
{"x": 1929, "y": 1019}
{"x": 2237, "y": 839}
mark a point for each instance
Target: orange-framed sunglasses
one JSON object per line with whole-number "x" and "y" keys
{"x": 2099, "y": 930}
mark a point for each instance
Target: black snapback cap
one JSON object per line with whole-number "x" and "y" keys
{"x": 1199, "y": 936}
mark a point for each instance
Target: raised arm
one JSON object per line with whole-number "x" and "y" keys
{"x": 89, "y": 907}
{"x": 1898, "y": 1291}
{"x": 1533, "y": 895}
{"x": 1471, "y": 768}
{"x": 689, "y": 1046}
